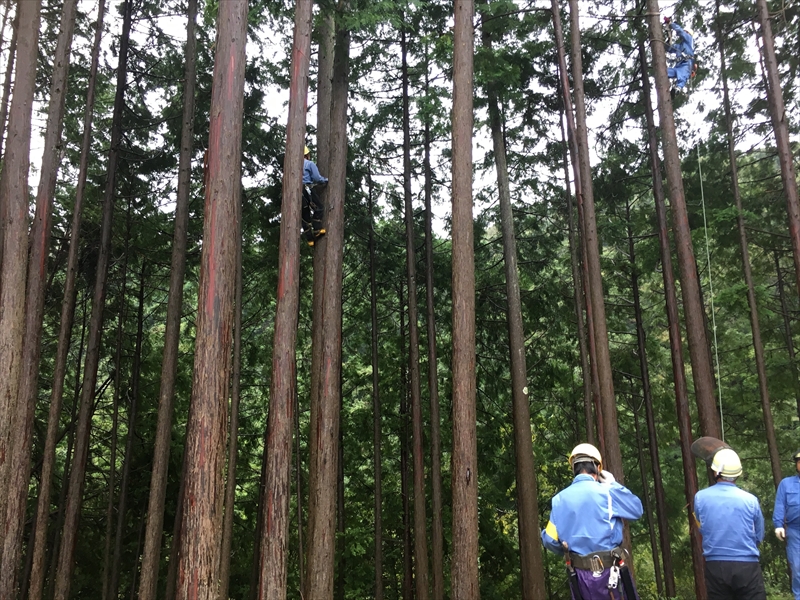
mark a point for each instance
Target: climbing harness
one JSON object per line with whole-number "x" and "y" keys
{"x": 597, "y": 562}
{"x": 574, "y": 587}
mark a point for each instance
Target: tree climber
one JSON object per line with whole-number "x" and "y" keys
{"x": 786, "y": 518}
{"x": 683, "y": 49}
{"x": 732, "y": 527}
{"x": 313, "y": 207}
{"x": 586, "y": 523}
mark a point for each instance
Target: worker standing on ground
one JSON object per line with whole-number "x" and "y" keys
{"x": 313, "y": 207}
{"x": 586, "y": 523}
{"x": 683, "y": 49}
{"x": 732, "y": 527}
{"x": 786, "y": 518}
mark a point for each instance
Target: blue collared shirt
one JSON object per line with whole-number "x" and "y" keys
{"x": 787, "y": 503}
{"x": 588, "y": 516}
{"x": 683, "y": 48}
{"x": 311, "y": 173}
{"x": 730, "y": 522}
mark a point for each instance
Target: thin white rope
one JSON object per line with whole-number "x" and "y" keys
{"x": 711, "y": 289}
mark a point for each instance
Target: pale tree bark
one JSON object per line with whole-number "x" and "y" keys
{"x": 421, "y": 575}
{"x": 531, "y": 566}
{"x": 14, "y": 202}
{"x": 7, "y": 81}
{"x": 758, "y": 346}
{"x": 198, "y": 558}
{"x": 464, "y": 566}
{"x": 702, "y": 373}
{"x": 39, "y": 535}
{"x": 278, "y": 449}
{"x": 675, "y": 342}
{"x": 83, "y": 427}
{"x": 325, "y": 411}
{"x": 21, "y": 437}
{"x": 166, "y": 398}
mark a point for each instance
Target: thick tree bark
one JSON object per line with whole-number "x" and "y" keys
{"x": 787, "y": 330}
{"x": 39, "y": 245}
{"x": 77, "y": 473}
{"x": 14, "y": 202}
{"x": 464, "y": 565}
{"x": 437, "y": 528}
{"x": 780, "y": 126}
{"x": 655, "y": 463}
{"x": 702, "y": 372}
{"x": 39, "y": 535}
{"x": 531, "y": 567}
{"x": 278, "y": 451}
{"x": 154, "y": 525}
{"x": 376, "y": 403}
{"x": 198, "y": 560}
{"x": 675, "y": 343}
{"x": 758, "y": 346}
{"x": 418, "y": 447}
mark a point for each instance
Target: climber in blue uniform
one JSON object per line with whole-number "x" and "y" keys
{"x": 586, "y": 523}
{"x": 786, "y": 518}
{"x": 683, "y": 50}
{"x": 313, "y": 207}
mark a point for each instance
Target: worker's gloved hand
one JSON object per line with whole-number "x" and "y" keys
{"x": 606, "y": 477}
{"x": 780, "y": 533}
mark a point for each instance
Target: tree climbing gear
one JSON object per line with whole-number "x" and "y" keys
{"x": 571, "y": 574}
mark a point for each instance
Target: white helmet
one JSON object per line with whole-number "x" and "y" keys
{"x": 689, "y": 32}
{"x": 726, "y": 463}
{"x": 586, "y": 453}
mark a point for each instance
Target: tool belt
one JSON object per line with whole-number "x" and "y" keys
{"x": 598, "y": 561}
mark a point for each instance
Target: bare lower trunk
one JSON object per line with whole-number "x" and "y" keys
{"x": 408, "y": 552}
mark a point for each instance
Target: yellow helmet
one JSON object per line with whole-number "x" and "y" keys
{"x": 584, "y": 453}
{"x": 306, "y": 151}
{"x": 727, "y": 463}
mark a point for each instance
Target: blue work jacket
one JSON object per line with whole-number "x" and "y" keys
{"x": 588, "y": 516}
{"x": 787, "y": 503}
{"x": 730, "y": 522}
{"x": 311, "y": 173}
{"x": 683, "y": 48}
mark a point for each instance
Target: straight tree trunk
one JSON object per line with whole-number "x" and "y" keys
{"x": 299, "y": 483}
{"x": 531, "y": 568}
{"x": 376, "y": 402}
{"x": 418, "y": 443}
{"x": 14, "y": 202}
{"x": 39, "y": 535}
{"x": 341, "y": 523}
{"x": 21, "y": 437}
{"x": 408, "y": 552}
{"x": 702, "y": 372}
{"x": 675, "y": 342}
{"x": 325, "y": 412}
{"x": 655, "y": 463}
{"x": 758, "y": 346}
{"x": 278, "y": 450}
{"x": 612, "y": 456}
{"x": 198, "y": 559}
{"x": 154, "y": 525}
{"x": 780, "y": 126}
{"x": 464, "y": 565}
{"x": 136, "y": 376}
{"x": 78, "y": 472}
{"x": 7, "y": 80}
{"x": 437, "y": 528}
{"x": 787, "y": 329}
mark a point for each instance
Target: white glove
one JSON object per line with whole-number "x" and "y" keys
{"x": 780, "y": 533}
{"x": 606, "y": 477}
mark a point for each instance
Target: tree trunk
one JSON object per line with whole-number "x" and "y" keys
{"x": 154, "y": 526}
{"x": 278, "y": 451}
{"x": 702, "y": 372}
{"x": 437, "y": 528}
{"x": 655, "y": 463}
{"x": 408, "y": 552}
{"x": 675, "y": 344}
{"x": 299, "y": 483}
{"x": 531, "y": 568}
{"x": 12, "y": 54}
{"x": 758, "y": 346}
{"x": 418, "y": 443}
{"x": 77, "y": 473}
{"x": 780, "y": 126}
{"x": 21, "y": 437}
{"x": 376, "y": 402}
{"x": 787, "y": 329}
{"x": 325, "y": 412}
{"x": 464, "y": 566}
{"x": 341, "y": 523}
{"x": 14, "y": 202}
{"x": 136, "y": 376}
{"x": 198, "y": 560}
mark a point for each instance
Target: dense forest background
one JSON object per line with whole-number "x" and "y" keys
{"x": 401, "y": 54}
